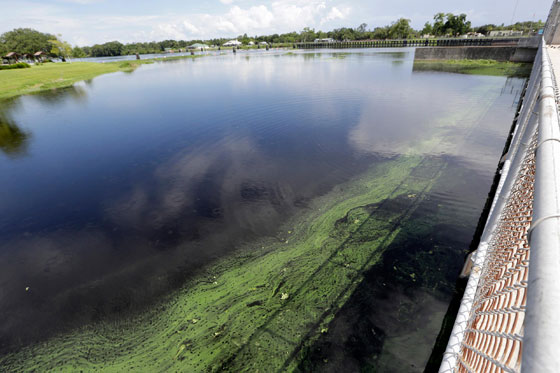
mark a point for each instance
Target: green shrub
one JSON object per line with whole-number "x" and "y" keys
{"x": 19, "y": 65}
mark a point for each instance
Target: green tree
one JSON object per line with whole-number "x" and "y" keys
{"x": 78, "y": 52}
{"x": 485, "y": 29}
{"x": 380, "y": 33}
{"x": 25, "y": 40}
{"x": 60, "y": 48}
{"x": 438, "y": 28}
{"x": 244, "y": 39}
{"x": 428, "y": 29}
{"x": 401, "y": 29}
{"x": 450, "y": 24}
{"x": 112, "y": 48}
{"x": 457, "y": 25}
{"x": 308, "y": 34}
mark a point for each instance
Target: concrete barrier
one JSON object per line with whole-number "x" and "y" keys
{"x": 498, "y": 53}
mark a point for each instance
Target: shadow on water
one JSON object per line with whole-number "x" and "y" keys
{"x": 14, "y": 141}
{"x": 76, "y": 93}
{"x": 447, "y": 324}
{"x": 391, "y": 320}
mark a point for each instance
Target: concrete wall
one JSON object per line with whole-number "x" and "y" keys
{"x": 551, "y": 30}
{"x": 524, "y": 55}
{"x": 513, "y": 54}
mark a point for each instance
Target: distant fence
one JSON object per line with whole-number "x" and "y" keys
{"x": 403, "y": 43}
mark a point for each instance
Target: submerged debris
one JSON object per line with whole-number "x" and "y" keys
{"x": 255, "y": 303}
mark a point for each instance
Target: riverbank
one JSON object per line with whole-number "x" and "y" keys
{"x": 59, "y": 75}
{"x": 475, "y": 67}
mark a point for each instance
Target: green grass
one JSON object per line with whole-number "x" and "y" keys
{"x": 475, "y": 67}
{"x": 253, "y": 310}
{"x": 58, "y": 75}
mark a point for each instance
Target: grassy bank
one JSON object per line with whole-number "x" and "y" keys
{"x": 475, "y": 67}
{"x": 57, "y": 75}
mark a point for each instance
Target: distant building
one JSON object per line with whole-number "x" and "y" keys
{"x": 263, "y": 43}
{"x": 251, "y": 43}
{"x": 232, "y": 43}
{"x": 11, "y": 57}
{"x": 499, "y": 33}
{"x": 324, "y": 40}
{"x": 472, "y": 35}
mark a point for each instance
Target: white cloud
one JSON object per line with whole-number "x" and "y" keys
{"x": 98, "y": 21}
{"x": 335, "y": 14}
{"x": 190, "y": 27}
{"x": 278, "y": 17}
{"x": 83, "y": 2}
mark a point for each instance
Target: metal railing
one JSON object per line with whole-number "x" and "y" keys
{"x": 509, "y": 318}
{"x": 542, "y": 324}
{"x": 401, "y": 43}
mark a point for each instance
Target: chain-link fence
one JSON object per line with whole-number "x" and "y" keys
{"x": 508, "y": 320}
{"x": 494, "y": 335}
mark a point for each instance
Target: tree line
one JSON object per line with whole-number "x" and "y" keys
{"x": 29, "y": 41}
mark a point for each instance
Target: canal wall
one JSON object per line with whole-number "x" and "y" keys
{"x": 505, "y": 53}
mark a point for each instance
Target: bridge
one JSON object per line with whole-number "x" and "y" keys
{"x": 509, "y": 317}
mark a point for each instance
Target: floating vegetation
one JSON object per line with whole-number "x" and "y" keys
{"x": 475, "y": 67}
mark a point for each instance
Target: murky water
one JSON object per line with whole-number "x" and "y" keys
{"x": 121, "y": 190}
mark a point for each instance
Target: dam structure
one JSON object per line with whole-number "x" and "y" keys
{"x": 509, "y": 317}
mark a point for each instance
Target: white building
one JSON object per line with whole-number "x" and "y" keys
{"x": 232, "y": 43}
{"x": 499, "y": 33}
{"x": 325, "y": 40}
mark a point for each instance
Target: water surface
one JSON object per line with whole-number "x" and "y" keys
{"x": 118, "y": 190}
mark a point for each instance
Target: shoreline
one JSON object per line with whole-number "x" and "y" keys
{"x": 48, "y": 76}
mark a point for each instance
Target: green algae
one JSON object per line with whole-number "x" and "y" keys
{"x": 475, "y": 67}
{"x": 254, "y": 310}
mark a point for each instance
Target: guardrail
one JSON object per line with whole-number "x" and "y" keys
{"x": 509, "y": 316}
{"x": 542, "y": 321}
{"x": 402, "y": 43}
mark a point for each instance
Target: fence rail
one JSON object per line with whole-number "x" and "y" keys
{"x": 508, "y": 319}
{"x": 402, "y": 43}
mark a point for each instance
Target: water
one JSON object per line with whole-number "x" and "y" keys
{"x": 124, "y": 189}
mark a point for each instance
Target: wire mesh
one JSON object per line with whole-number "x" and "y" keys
{"x": 493, "y": 339}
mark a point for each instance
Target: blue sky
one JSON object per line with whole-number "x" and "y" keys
{"x": 85, "y": 22}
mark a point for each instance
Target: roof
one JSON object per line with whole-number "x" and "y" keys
{"x": 233, "y": 42}
{"x": 12, "y": 54}
{"x": 40, "y": 53}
